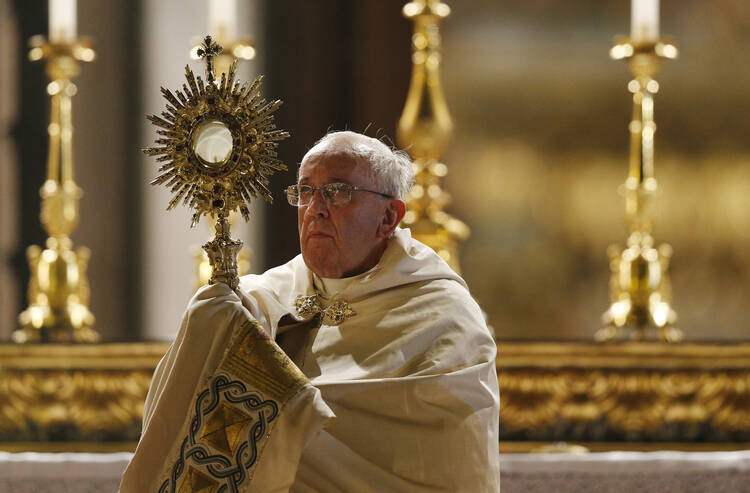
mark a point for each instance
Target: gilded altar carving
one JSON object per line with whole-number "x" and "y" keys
{"x": 74, "y": 394}
{"x": 605, "y": 396}
{"x": 626, "y": 392}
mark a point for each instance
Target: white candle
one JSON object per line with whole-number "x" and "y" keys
{"x": 222, "y": 19}
{"x": 62, "y": 21}
{"x": 644, "y": 20}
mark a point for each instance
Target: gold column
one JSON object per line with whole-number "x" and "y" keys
{"x": 639, "y": 286}
{"x": 425, "y": 130}
{"x": 58, "y": 290}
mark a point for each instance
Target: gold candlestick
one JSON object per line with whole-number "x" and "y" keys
{"x": 425, "y": 129}
{"x": 216, "y": 183}
{"x": 639, "y": 286}
{"x": 58, "y": 289}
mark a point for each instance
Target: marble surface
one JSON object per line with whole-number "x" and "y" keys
{"x": 603, "y": 472}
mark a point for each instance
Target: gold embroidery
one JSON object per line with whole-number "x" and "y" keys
{"x": 225, "y": 429}
{"x": 197, "y": 482}
{"x": 260, "y": 362}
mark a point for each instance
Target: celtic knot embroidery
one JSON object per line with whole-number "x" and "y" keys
{"x": 338, "y": 312}
{"x": 222, "y": 443}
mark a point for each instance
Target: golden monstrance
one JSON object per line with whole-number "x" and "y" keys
{"x": 218, "y": 145}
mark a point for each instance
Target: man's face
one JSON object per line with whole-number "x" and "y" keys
{"x": 344, "y": 240}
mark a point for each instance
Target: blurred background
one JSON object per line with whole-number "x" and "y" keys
{"x": 540, "y": 148}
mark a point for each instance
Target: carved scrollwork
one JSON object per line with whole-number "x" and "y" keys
{"x": 575, "y": 392}
{"x": 72, "y": 393}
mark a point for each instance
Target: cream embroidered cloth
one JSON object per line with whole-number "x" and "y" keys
{"x": 227, "y": 410}
{"x": 410, "y": 376}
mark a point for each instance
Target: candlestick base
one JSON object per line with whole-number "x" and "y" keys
{"x": 640, "y": 291}
{"x": 58, "y": 295}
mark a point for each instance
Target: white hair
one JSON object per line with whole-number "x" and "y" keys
{"x": 392, "y": 169}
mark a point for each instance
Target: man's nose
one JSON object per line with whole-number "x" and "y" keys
{"x": 318, "y": 204}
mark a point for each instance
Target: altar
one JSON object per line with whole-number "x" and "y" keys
{"x": 597, "y": 397}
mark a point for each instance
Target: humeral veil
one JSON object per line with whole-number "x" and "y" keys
{"x": 381, "y": 382}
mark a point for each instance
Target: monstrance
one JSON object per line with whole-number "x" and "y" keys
{"x": 218, "y": 145}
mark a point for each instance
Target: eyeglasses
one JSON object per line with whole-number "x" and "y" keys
{"x": 333, "y": 193}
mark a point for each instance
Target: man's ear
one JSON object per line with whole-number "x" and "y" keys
{"x": 392, "y": 216}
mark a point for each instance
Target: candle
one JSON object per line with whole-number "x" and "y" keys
{"x": 644, "y": 20}
{"x": 62, "y": 21}
{"x": 222, "y": 19}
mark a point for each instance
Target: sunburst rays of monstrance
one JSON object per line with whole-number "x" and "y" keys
{"x": 218, "y": 146}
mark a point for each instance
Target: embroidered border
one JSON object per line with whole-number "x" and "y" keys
{"x": 232, "y": 471}
{"x": 223, "y": 442}
{"x": 259, "y": 361}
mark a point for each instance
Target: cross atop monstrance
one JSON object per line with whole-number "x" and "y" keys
{"x": 207, "y": 51}
{"x": 218, "y": 145}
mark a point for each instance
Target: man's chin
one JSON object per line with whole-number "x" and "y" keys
{"x": 320, "y": 264}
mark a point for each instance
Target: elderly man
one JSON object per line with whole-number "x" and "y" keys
{"x": 362, "y": 365}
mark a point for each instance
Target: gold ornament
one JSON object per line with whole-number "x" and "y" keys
{"x": 201, "y": 167}
{"x": 425, "y": 129}
{"x": 337, "y": 312}
{"x": 58, "y": 288}
{"x": 307, "y": 306}
{"x": 639, "y": 286}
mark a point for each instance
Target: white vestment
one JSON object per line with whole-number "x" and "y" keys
{"x": 408, "y": 371}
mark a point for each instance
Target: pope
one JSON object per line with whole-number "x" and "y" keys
{"x": 361, "y": 365}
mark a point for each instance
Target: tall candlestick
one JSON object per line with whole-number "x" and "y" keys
{"x": 62, "y": 21}
{"x": 58, "y": 290}
{"x": 640, "y": 291}
{"x": 222, "y": 19}
{"x": 644, "y": 20}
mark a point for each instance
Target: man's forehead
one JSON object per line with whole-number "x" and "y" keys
{"x": 333, "y": 166}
